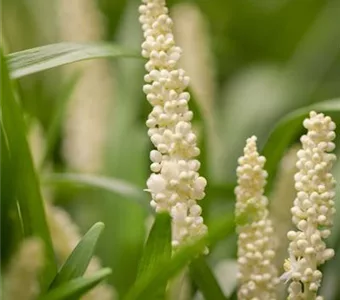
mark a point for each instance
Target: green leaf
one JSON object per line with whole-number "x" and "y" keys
{"x": 7, "y": 203}
{"x": 287, "y": 129}
{"x": 77, "y": 287}
{"x": 112, "y": 185}
{"x": 25, "y": 183}
{"x": 145, "y": 285}
{"x": 156, "y": 251}
{"x": 58, "y": 117}
{"x": 78, "y": 261}
{"x": 126, "y": 158}
{"x": 42, "y": 58}
{"x": 221, "y": 191}
{"x": 205, "y": 280}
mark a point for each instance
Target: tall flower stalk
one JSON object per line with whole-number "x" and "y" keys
{"x": 175, "y": 184}
{"x": 86, "y": 117}
{"x": 313, "y": 209}
{"x": 257, "y": 274}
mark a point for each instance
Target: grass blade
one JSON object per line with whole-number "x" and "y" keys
{"x": 42, "y": 58}
{"x": 7, "y": 203}
{"x": 112, "y": 185}
{"x": 146, "y": 284}
{"x": 76, "y": 264}
{"x": 25, "y": 183}
{"x": 58, "y": 117}
{"x": 77, "y": 287}
{"x": 205, "y": 280}
{"x": 156, "y": 251}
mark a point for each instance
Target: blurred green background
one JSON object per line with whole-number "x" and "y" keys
{"x": 251, "y": 62}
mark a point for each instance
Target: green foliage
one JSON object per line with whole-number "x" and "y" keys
{"x": 39, "y": 59}
{"x": 77, "y": 263}
{"x": 303, "y": 69}
{"x": 145, "y": 286}
{"x": 10, "y": 222}
{"x": 55, "y": 125}
{"x": 25, "y": 190}
{"x": 157, "y": 250}
{"x": 75, "y": 288}
{"x": 205, "y": 280}
{"x": 112, "y": 185}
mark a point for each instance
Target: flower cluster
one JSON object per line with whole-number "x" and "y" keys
{"x": 86, "y": 119}
{"x": 313, "y": 209}
{"x": 21, "y": 280}
{"x": 257, "y": 272}
{"x": 175, "y": 184}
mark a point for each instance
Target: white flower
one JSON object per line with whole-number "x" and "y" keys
{"x": 175, "y": 184}
{"x": 313, "y": 208}
{"x": 257, "y": 273}
{"x": 292, "y": 268}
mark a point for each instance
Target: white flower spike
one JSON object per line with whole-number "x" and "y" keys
{"x": 175, "y": 184}
{"x": 313, "y": 209}
{"x": 257, "y": 272}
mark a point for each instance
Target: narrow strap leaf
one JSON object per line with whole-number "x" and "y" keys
{"x": 75, "y": 288}
{"x": 79, "y": 259}
{"x": 109, "y": 184}
{"x": 46, "y": 57}
{"x": 205, "y": 280}
{"x": 58, "y": 117}
{"x": 144, "y": 287}
{"x": 25, "y": 183}
{"x": 157, "y": 251}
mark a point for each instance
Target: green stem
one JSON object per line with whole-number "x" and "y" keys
{"x": 309, "y": 295}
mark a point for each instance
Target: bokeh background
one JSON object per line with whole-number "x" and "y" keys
{"x": 251, "y": 62}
